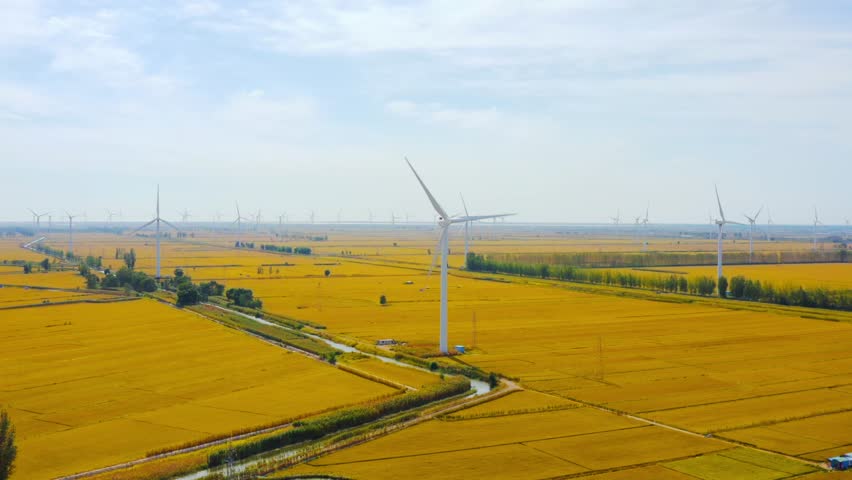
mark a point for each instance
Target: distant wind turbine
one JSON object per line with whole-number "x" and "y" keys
{"x": 71, "y": 231}
{"x": 751, "y": 221}
{"x": 468, "y": 225}
{"x": 444, "y": 222}
{"x": 37, "y": 219}
{"x": 110, "y": 214}
{"x": 616, "y": 220}
{"x": 157, "y": 220}
{"x": 816, "y": 222}
{"x": 720, "y": 222}
{"x": 184, "y": 216}
{"x": 239, "y": 218}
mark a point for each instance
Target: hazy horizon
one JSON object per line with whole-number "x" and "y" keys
{"x": 562, "y": 111}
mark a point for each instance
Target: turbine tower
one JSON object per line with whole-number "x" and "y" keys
{"x": 444, "y": 222}
{"x": 111, "y": 214}
{"x": 616, "y": 220}
{"x": 37, "y": 219}
{"x": 816, "y": 222}
{"x": 720, "y": 222}
{"x": 751, "y": 221}
{"x": 184, "y": 216}
{"x": 157, "y": 220}
{"x": 239, "y": 218}
{"x": 71, "y": 231}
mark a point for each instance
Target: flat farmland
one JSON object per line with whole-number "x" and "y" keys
{"x": 93, "y": 385}
{"x": 837, "y": 276}
{"x": 532, "y": 445}
{"x": 699, "y": 367}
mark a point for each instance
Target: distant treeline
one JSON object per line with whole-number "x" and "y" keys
{"x": 740, "y": 287}
{"x": 657, "y": 259}
{"x": 341, "y": 419}
{"x": 286, "y": 249}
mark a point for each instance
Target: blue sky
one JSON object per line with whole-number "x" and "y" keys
{"x": 560, "y": 110}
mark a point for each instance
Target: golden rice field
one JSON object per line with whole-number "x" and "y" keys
{"x": 17, "y": 297}
{"x": 94, "y": 385}
{"x": 544, "y": 444}
{"x": 766, "y": 378}
{"x": 836, "y": 276}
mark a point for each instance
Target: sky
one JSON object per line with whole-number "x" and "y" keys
{"x": 562, "y": 111}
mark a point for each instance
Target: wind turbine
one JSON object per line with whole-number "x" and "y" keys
{"x": 444, "y": 222}
{"x": 184, "y": 216}
{"x": 71, "y": 231}
{"x": 239, "y": 218}
{"x": 312, "y": 216}
{"x": 282, "y": 218}
{"x": 616, "y": 220}
{"x": 468, "y": 225}
{"x": 751, "y": 222}
{"x": 257, "y": 219}
{"x": 111, "y": 214}
{"x": 816, "y": 222}
{"x": 37, "y": 219}
{"x": 157, "y": 221}
{"x": 720, "y": 222}
{"x": 769, "y": 223}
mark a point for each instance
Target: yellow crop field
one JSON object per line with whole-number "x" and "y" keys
{"x": 836, "y": 276}
{"x": 65, "y": 279}
{"x": 89, "y": 385}
{"x": 740, "y": 463}
{"x": 14, "y": 296}
{"x": 538, "y": 445}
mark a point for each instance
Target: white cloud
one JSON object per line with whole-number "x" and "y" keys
{"x": 455, "y": 117}
{"x": 17, "y": 102}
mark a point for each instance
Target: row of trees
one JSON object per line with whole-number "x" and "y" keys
{"x": 740, "y": 287}
{"x": 651, "y": 259}
{"x": 286, "y": 249}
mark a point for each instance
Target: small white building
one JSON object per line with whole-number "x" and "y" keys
{"x": 385, "y": 341}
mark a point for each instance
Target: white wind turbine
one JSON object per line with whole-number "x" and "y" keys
{"x": 468, "y": 226}
{"x": 720, "y": 222}
{"x": 257, "y": 219}
{"x": 240, "y": 218}
{"x": 157, "y": 221}
{"x": 616, "y": 220}
{"x": 769, "y": 223}
{"x": 37, "y": 219}
{"x": 751, "y": 222}
{"x": 816, "y": 222}
{"x": 71, "y": 231}
{"x": 184, "y": 216}
{"x": 444, "y": 222}
{"x": 110, "y": 214}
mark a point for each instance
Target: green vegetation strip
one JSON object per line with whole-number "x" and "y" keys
{"x": 278, "y": 334}
{"x": 342, "y": 419}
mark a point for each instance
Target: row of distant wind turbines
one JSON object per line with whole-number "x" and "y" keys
{"x": 444, "y": 222}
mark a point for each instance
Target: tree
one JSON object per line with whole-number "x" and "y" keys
{"x": 8, "y": 450}
{"x": 493, "y": 380}
{"x": 130, "y": 259}
{"x": 383, "y": 300}
{"x": 92, "y": 281}
{"x": 187, "y": 294}
{"x": 327, "y": 273}
{"x": 178, "y": 272}
{"x": 45, "y": 264}
{"x": 28, "y": 268}
{"x": 723, "y": 286}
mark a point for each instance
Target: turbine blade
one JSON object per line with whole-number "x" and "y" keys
{"x": 436, "y": 251}
{"x": 758, "y": 213}
{"x": 435, "y": 203}
{"x": 721, "y": 213}
{"x": 143, "y": 226}
{"x": 464, "y": 205}
{"x": 169, "y": 224}
{"x": 474, "y": 218}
